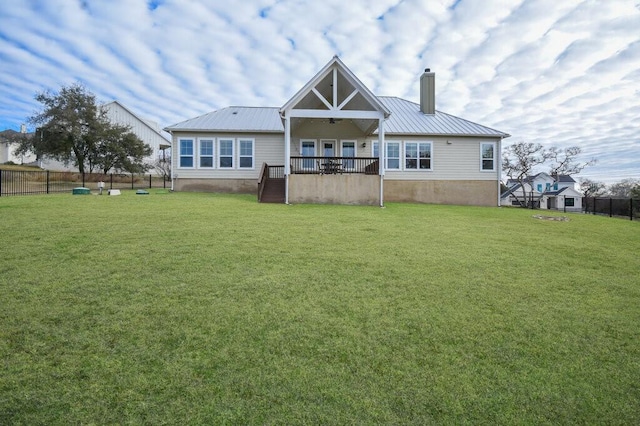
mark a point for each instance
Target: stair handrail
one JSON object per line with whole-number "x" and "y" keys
{"x": 262, "y": 180}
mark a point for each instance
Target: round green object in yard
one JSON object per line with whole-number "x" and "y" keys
{"x": 81, "y": 190}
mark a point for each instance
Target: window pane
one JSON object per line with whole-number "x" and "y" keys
{"x": 226, "y": 162}
{"x": 206, "y": 147}
{"x": 393, "y": 150}
{"x": 186, "y": 147}
{"x": 246, "y": 148}
{"x": 393, "y": 164}
{"x": 411, "y": 150}
{"x": 487, "y": 164}
{"x": 425, "y": 163}
{"x": 186, "y": 161}
{"x": 226, "y": 147}
{"x": 487, "y": 150}
{"x": 425, "y": 150}
{"x": 246, "y": 162}
{"x": 375, "y": 150}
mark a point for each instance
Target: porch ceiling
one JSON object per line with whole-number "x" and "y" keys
{"x": 367, "y": 126}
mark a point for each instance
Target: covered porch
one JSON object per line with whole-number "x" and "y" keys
{"x": 328, "y": 127}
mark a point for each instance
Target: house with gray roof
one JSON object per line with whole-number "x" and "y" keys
{"x": 544, "y": 191}
{"x": 336, "y": 142}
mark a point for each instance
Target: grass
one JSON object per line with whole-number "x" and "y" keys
{"x": 181, "y": 308}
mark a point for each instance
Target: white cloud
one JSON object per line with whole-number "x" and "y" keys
{"x": 556, "y": 72}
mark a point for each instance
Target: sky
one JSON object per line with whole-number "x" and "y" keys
{"x": 557, "y": 72}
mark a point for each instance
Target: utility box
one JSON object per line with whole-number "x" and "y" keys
{"x": 81, "y": 190}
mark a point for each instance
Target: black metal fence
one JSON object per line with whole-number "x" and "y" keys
{"x": 19, "y": 182}
{"x": 612, "y": 207}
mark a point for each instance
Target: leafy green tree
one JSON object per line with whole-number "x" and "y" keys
{"x": 121, "y": 150}
{"x": 72, "y": 128}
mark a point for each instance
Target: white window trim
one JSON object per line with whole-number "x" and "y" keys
{"x": 417, "y": 169}
{"x": 253, "y": 153}
{"x": 193, "y": 156}
{"x": 493, "y": 169}
{"x": 213, "y": 153}
{"x": 233, "y": 153}
{"x": 387, "y": 158}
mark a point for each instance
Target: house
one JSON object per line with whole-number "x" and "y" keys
{"x": 545, "y": 192}
{"x": 8, "y": 147}
{"x": 323, "y": 146}
{"x": 148, "y": 131}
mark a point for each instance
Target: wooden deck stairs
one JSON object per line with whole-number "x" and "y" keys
{"x": 273, "y": 191}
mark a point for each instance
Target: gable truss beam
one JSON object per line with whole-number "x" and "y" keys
{"x": 334, "y": 113}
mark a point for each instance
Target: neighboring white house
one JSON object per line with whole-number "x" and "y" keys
{"x": 148, "y": 131}
{"x": 322, "y": 146}
{"x": 545, "y": 192}
{"x": 7, "y": 148}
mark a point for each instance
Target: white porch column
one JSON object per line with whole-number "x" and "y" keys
{"x": 498, "y": 153}
{"x": 287, "y": 156}
{"x": 381, "y": 158}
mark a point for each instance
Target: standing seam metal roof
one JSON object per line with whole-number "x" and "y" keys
{"x": 405, "y": 119}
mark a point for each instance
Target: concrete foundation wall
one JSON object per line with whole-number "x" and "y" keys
{"x": 242, "y": 186}
{"x": 335, "y": 189}
{"x": 461, "y": 192}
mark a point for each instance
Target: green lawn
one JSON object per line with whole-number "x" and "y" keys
{"x": 182, "y": 308}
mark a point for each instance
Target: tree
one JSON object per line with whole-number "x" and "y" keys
{"x": 162, "y": 166}
{"x": 121, "y": 150}
{"x": 72, "y": 128}
{"x": 565, "y": 161}
{"x": 519, "y": 160}
{"x": 592, "y": 188}
{"x": 624, "y": 188}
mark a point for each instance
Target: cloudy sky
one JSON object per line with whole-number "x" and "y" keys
{"x": 558, "y": 72}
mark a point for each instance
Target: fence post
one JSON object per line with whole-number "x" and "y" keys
{"x": 630, "y": 208}
{"x": 131, "y": 180}
{"x": 149, "y": 180}
{"x": 110, "y": 180}
{"x": 83, "y": 179}
{"x": 610, "y": 206}
{"x": 0, "y": 183}
{"x": 47, "y": 181}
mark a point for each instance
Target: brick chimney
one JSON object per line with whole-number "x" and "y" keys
{"x": 428, "y": 92}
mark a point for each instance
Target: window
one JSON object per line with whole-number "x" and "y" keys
{"x": 547, "y": 187}
{"x": 540, "y": 187}
{"x": 206, "y": 153}
{"x": 374, "y": 150}
{"x": 417, "y": 155}
{"x": 393, "y": 155}
{"x": 555, "y": 186}
{"x": 246, "y": 153}
{"x": 308, "y": 149}
{"x": 569, "y": 202}
{"x": 348, "y": 150}
{"x": 225, "y": 153}
{"x": 488, "y": 153}
{"x": 186, "y": 152}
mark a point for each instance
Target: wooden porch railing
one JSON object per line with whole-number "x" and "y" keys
{"x": 334, "y": 165}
